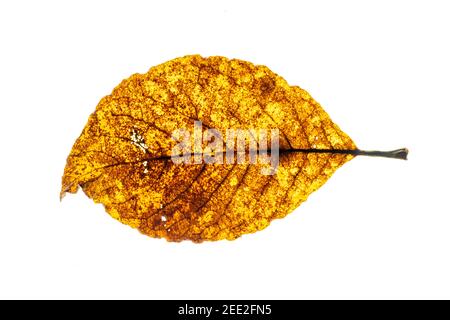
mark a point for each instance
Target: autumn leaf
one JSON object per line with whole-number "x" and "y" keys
{"x": 122, "y": 158}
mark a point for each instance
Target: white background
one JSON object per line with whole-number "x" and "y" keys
{"x": 380, "y": 228}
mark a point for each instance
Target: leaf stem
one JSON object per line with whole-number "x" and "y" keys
{"x": 395, "y": 154}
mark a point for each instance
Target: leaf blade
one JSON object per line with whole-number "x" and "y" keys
{"x": 122, "y": 157}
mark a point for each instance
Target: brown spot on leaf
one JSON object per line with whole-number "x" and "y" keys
{"x": 267, "y": 85}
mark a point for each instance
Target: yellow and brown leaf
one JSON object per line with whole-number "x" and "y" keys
{"x": 122, "y": 158}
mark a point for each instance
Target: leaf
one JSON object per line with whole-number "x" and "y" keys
{"x": 122, "y": 158}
